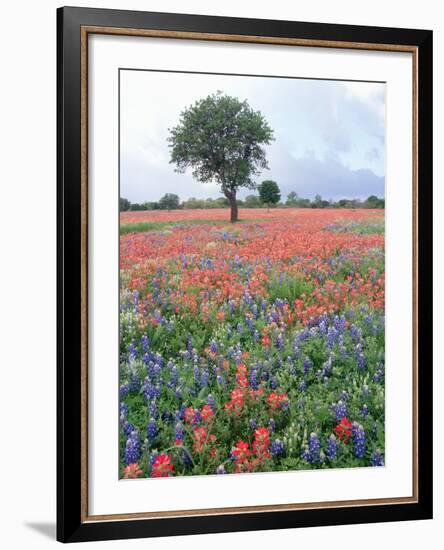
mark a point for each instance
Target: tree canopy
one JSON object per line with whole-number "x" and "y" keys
{"x": 221, "y": 139}
{"x": 269, "y": 192}
{"x": 169, "y": 201}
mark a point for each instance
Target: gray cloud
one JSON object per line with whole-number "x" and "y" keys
{"x": 329, "y": 135}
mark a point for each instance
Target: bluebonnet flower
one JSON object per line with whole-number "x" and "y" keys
{"x": 274, "y": 383}
{"x": 377, "y": 458}
{"x": 124, "y": 409}
{"x": 340, "y": 323}
{"x": 124, "y": 390}
{"x": 340, "y": 410}
{"x": 277, "y": 448}
{"x": 332, "y": 335}
{"x": 303, "y": 385}
{"x": 205, "y": 377}
{"x": 249, "y": 323}
{"x": 307, "y": 365}
{"x": 314, "y": 446}
{"x": 153, "y": 457}
{"x": 364, "y": 410}
{"x": 213, "y": 347}
{"x": 323, "y": 326}
{"x": 174, "y": 377}
{"x": 326, "y": 368}
{"x": 197, "y": 418}
{"x": 153, "y": 408}
{"x": 196, "y": 374}
{"x": 128, "y": 428}
{"x": 355, "y": 332}
{"x": 312, "y": 452}
{"x": 253, "y": 376}
{"x": 379, "y": 374}
{"x": 361, "y": 361}
{"x": 253, "y": 424}
{"x": 211, "y": 401}
{"x": 132, "y": 448}
{"x": 189, "y": 344}
{"x": 332, "y": 447}
{"x": 306, "y": 454}
{"x": 221, "y": 470}
{"x": 145, "y": 343}
{"x": 132, "y": 351}
{"x": 343, "y": 396}
{"x": 179, "y": 432}
{"x": 279, "y": 342}
{"x": 359, "y": 439}
{"x": 150, "y": 391}
{"x": 272, "y": 425}
{"x": 151, "y": 429}
{"x": 180, "y": 413}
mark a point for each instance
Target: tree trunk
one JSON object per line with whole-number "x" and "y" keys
{"x": 234, "y": 209}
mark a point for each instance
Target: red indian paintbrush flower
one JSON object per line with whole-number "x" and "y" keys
{"x": 162, "y": 466}
{"x": 343, "y": 429}
{"x": 132, "y": 471}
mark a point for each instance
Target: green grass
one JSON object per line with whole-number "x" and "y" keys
{"x": 143, "y": 227}
{"x": 287, "y": 287}
{"x": 369, "y": 227}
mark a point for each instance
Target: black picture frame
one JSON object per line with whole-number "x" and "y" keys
{"x": 71, "y": 525}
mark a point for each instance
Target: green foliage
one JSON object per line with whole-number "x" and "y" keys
{"x": 169, "y": 201}
{"x": 124, "y": 204}
{"x": 252, "y": 201}
{"x": 287, "y": 287}
{"x": 294, "y": 201}
{"x": 143, "y": 227}
{"x": 193, "y": 203}
{"x": 221, "y": 139}
{"x": 135, "y": 207}
{"x": 269, "y": 192}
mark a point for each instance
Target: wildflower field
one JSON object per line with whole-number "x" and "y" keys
{"x": 251, "y": 347}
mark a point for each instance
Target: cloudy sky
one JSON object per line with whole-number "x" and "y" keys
{"x": 329, "y": 136}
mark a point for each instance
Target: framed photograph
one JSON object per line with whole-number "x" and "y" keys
{"x": 244, "y": 274}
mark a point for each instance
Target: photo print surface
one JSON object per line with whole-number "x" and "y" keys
{"x": 252, "y": 274}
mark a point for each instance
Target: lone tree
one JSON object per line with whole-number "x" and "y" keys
{"x": 221, "y": 138}
{"x": 269, "y": 192}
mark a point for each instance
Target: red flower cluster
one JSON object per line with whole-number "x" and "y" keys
{"x": 241, "y": 454}
{"x": 244, "y": 459}
{"x": 277, "y": 400}
{"x": 261, "y": 443}
{"x": 199, "y": 438}
{"x": 343, "y": 429}
{"x": 190, "y": 414}
{"x": 132, "y": 471}
{"x": 236, "y": 404}
{"x": 162, "y": 466}
{"x": 207, "y": 413}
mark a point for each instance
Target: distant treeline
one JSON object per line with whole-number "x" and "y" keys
{"x": 170, "y": 201}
